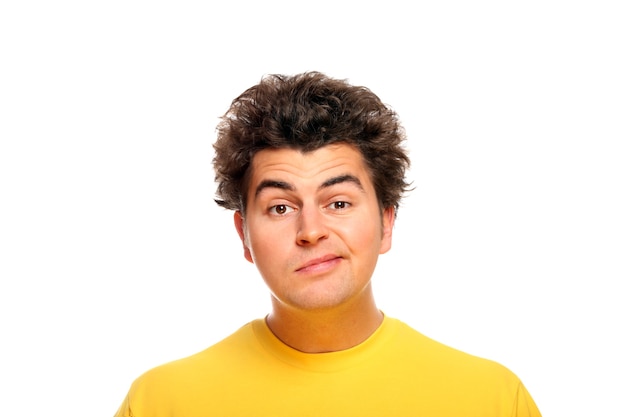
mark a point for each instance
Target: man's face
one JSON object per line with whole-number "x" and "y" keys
{"x": 313, "y": 225}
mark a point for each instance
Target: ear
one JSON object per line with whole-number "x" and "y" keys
{"x": 240, "y": 225}
{"x": 389, "y": 217}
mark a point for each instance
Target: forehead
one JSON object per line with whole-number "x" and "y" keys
{"x": 312, "y": 167}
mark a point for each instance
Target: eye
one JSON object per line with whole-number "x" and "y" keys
{"x": 280, "y": 209}
{"x": 339, "y": 205}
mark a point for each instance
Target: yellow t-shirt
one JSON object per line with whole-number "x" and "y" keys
{"x": 395, "y": 372}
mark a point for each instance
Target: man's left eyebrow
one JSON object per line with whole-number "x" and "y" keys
{"x": 342, "y": 179}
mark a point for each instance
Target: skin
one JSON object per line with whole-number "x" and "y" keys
{"x": 314, "y": 229}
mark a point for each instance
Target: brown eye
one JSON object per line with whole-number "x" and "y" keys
{"x": 339, "y": 205}
{"x": 280, "y": 209}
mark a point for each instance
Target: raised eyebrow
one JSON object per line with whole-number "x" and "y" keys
{"x": 341, "y": 179}
{"x": 282, "y": 185}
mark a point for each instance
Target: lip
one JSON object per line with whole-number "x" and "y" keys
{"x": 323, "y": 262}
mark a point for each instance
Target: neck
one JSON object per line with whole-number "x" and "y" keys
{"x": 327, "y": 330}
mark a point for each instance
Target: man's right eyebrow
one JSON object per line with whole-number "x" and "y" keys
{"x": 282, "y": 185}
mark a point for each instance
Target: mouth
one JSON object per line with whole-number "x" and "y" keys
{"x": 320, "y": 264}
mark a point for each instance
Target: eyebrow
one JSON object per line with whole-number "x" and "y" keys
{"x": 341, "y": 179}
{"x": 282, "y": 185}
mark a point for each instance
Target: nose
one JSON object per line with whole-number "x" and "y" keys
{"x": 311, "y": 227}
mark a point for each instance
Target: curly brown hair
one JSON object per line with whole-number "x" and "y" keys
{"x": 306, "y": 112}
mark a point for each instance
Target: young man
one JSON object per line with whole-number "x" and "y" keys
{"x": 314, "y": 170}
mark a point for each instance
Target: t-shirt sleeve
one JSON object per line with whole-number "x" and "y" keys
{"x": 525, "y": 405}
{"x": 124, "y": 410}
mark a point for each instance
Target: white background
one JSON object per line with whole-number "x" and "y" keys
{"x": 114, "y": 258}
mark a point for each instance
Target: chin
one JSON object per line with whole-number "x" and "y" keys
{"x": 326, "y": 300}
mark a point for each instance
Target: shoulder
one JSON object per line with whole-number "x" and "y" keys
{"x": 455, "y": 381}
{"x": 206, "y": 362}
{"x": 433, "y": 356}
{"x": 183, "y": 384}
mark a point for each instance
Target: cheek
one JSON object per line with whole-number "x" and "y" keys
{"x": 267, "y": 243}
{"x": 362, "y": 240}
